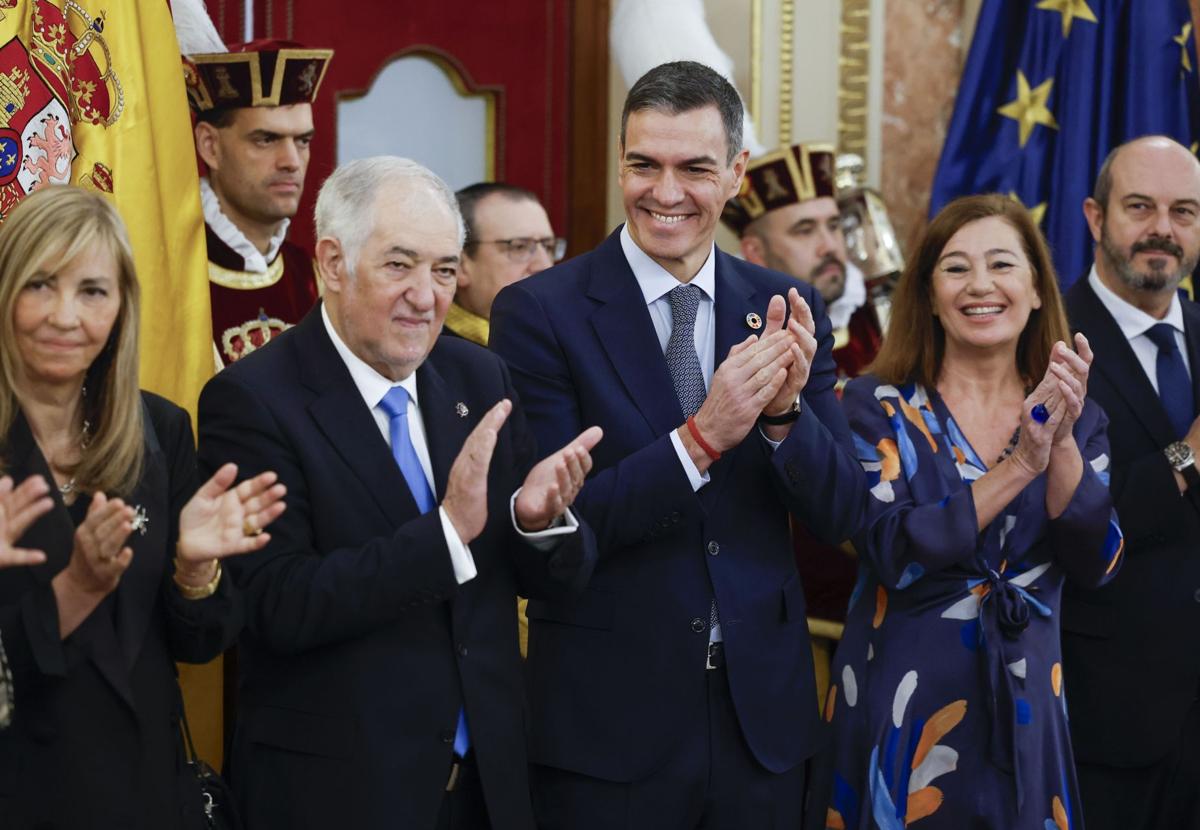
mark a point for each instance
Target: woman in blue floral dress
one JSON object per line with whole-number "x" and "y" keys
{"x": 988, "y": 470}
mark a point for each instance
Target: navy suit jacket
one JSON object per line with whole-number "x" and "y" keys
{"x": 617, "y": 673}
{"x": 1131, "y": 649}
{"x": 360, "y": 646}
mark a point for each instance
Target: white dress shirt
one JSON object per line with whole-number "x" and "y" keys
{"x": 1134, "y": 323}
{"x": 656, "y": 283}
{"x": 373, "y": 387}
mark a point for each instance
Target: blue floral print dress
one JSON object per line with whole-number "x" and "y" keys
{"x": 947, "y": 701}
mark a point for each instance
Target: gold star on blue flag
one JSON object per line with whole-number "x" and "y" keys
{"x": 1183, "y": 39}
{"x": 1069, "y": 9}
{"x": 1049, "y": 88}
{"x": 1029, "y": 108}
{"x": 1036, "y": 213}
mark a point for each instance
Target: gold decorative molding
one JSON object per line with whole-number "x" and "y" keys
{"x": 787, "y": 23}
{"x": 854, "y": 75}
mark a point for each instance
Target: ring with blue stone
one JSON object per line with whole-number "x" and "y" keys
{"x": 1040, "y": 413}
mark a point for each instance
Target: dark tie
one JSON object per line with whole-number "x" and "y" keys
{"x": 688, "y": 378}
{"x": 682, "y": 360}
{"x": 1174, "y": 383}
{"x": 395, "y": 406}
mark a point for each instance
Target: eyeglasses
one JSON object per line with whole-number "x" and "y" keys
{"x": 522, "y": 249}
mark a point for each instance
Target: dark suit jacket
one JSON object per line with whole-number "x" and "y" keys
{"x": 617, "y": 674}
{"x": 1131, "y": 650}
{"x": 360, "y": 647}
{"x": 95, "y": 739}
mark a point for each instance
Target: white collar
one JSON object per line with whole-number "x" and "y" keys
{"x": 853, "y": 296}
{"x": 232, "y": 235}
{"x": 1131, "y": 319}
{"x": 371, "y": 385}
{"x": 656, "y": 281}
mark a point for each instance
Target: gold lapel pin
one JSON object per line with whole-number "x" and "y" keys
{"x": 461, "y": 409}
{"x": 754, "y": 321}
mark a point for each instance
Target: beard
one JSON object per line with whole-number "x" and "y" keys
{"x": 1156, "y": 279}
{"x": 833, "y": 286}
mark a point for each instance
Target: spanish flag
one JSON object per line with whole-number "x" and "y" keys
{"x": 92, "y": 94}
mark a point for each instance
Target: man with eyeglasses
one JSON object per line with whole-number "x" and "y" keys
{"x": 508, "y": 238}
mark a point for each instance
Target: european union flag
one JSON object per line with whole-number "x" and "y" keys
{"x": 1050, "y": 87}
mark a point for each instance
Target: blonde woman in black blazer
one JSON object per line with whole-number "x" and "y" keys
{"x": 131, "y": 579}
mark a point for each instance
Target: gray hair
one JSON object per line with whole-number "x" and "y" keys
{"x": 347, "y": 199}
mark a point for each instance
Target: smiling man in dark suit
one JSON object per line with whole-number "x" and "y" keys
{"x": 1131, "y": 650}
{"x": 678, "y": 690}
{"x": 380, "y": 679}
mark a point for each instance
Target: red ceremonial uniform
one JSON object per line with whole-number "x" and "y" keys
{"x": 248, "y": 307}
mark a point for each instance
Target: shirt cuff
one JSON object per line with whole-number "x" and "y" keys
{"x": 695, "y": 477}
{"x": 460, "y": 555}
{"x": 543, "y": 540}
{"x": 774, "y": 444}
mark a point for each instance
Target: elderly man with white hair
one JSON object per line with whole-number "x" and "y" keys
{"x": 380, "y": 680}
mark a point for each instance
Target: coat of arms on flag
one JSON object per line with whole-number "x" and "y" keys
{"x": 62, "y": 76}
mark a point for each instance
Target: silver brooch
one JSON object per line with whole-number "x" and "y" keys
{"x": 461, "y": 409}
{"x": 140, "y": 520}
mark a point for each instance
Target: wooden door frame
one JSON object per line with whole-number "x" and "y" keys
{"x": 587, "y": 143}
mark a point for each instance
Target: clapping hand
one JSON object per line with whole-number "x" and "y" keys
{"x": 803, "y": 330}
{"x": 1043, "y": 412}
{"x": 742, "y": 387}
{"x": 466, "y": 488}
{"x": 19, "y": 507}
{"x": 100, "y": 555}
{"x": 222, "y": 520}
{"x": 1071, "y": 369}
{"x": 555, "y": 481}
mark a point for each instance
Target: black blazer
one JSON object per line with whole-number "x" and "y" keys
{"x": 360, "y": 647}
{"x": 617, "y": 675}
{"x": 95, "y": 740}
{"x": 1131, "y": 649}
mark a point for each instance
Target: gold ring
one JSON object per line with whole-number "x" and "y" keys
{"x": 249, "y": 528}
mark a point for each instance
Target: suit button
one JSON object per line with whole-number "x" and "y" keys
{"x": 462, "y": 650}
{"x": 698, "y": 626}
{"x": 1196, "y": 596}
{"x": 713, "y": 548}
{"x": 447, "y": 736}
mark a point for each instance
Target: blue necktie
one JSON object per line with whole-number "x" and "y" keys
{"x": 1174, "y": 383}
{"x": 688, "y": 377}
{"x": 395, "y": 406}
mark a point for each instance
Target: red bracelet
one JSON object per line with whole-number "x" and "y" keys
{"x": 704, "y": 445}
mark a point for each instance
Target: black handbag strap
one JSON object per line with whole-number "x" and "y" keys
{"x": 189, "y": 747}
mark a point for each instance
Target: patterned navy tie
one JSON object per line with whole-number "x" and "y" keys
{"x": 688, "y": 377}
{"x": 395, "y": 406}
{"x": 1174, "y": 383}
{"x": 682, "y": 360}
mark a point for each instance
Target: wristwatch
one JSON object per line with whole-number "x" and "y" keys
{"x": 1180, "y": 456}
{"x": 783, "y": 419}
